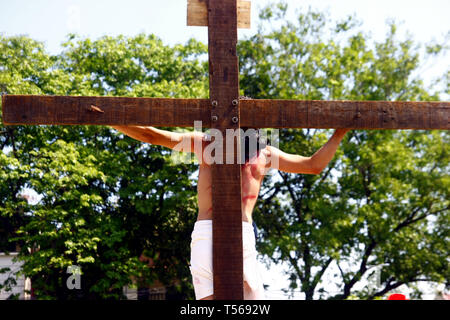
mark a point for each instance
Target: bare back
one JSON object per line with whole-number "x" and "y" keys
{"x": 252, "y": 174}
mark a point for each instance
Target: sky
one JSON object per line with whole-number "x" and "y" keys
{"x": 50, "y": 21}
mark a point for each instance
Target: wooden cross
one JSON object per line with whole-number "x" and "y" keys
{"x": 224, "y": 111}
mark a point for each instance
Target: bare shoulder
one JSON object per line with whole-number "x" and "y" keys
{"x": 271, "y": 152}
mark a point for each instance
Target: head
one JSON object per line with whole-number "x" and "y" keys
{"x": 250, "y": 141}
{"x": 251, "y": 144}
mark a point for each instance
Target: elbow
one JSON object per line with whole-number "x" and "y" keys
{"x": 147, "y": 137}
{"x": 315, "y": 168}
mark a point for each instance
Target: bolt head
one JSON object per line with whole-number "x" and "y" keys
{"x": 215, "y": 103}
{"x": 214, "y": 118}
{"x": 235, "y": 102}
{"x": 235, "y": 119}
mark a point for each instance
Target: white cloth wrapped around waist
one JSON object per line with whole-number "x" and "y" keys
{"x": 201, "y": 256}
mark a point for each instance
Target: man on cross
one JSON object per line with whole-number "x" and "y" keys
{"x": 256, "y": 163}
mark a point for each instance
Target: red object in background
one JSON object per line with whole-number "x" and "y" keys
{"x": 397, "y": 296}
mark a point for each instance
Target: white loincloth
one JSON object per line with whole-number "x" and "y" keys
{"x": 201, "y": 261}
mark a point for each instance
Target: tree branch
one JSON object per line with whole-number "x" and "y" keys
{"x": 366, "y": 182}
{"x": 269, "y": 198}
{"x": 408, "y": 221}
{"x": 288, "y": 185}
{"x": 296, "y": 268}
{"x": 362, "y": 269}
{"x": 319, "y": 274}
{"x": 325, "y": 175}
{"x": 306, "y": 259}
{"x": 297, "y": 203}
{"x": 387, "y": 288}
{"x": 342, "y": 273}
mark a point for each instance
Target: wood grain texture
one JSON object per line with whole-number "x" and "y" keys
{"x": 345, "y": 114}
{"x": 226, "y": 178}
{"x": 197, "y": 13}
{"x": 71, "y": 110}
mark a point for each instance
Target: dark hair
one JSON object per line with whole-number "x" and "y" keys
{"x": 251, "y": 136}
{"x": 249, "y": 140}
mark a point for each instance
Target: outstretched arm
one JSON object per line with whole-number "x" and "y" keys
{"x": 307, "y": 165}
{"x": 162, "y": 137}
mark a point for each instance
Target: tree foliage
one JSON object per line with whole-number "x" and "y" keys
{"x": 119, "y": 209}
{"x": 123, "y": 212}
{"x": 383, "y": 201}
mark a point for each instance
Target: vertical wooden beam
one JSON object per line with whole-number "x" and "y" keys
{"x": 226, "y": 178}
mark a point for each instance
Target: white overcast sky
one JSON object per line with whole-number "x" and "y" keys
{"x": 50, "y": 21}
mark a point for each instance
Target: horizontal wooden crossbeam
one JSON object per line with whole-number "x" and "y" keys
{"x": 345, "y": 114}
{"x": 162, "y": 112}
{"x": 74, "y": 110}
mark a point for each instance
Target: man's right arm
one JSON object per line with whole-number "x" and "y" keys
{"x": 164, "y": 138}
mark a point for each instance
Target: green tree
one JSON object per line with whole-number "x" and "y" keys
{"x": 383, "y": 201}
{"x": 119, "y": 209}
{"x": 109, "y": 201}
